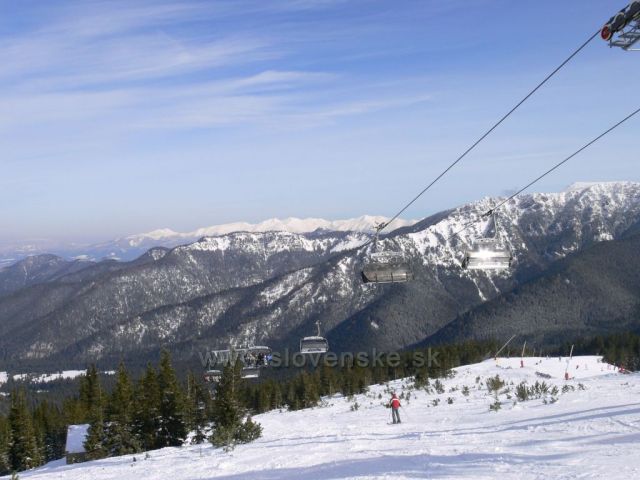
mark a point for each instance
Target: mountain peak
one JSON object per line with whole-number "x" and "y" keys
{"x": 363, "y": 223}
{"x": 578, "y": 186}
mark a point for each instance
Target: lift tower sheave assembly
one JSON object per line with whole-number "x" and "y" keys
{"x": 623, "y": 29}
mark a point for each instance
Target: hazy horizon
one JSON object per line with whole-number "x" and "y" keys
{"x": 8, "y": 245}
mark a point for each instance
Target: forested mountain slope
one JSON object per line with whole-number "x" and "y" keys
{"x": 271, "y": 287}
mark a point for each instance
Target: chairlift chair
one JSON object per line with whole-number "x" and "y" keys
{"x": 385, "y": 266}
{"x": 315, "y": 344}
{"x": 261, "y": 354}
{"x": 222, "y": 356}
{"x": 250, "y": 371}
{"x": 212, "y": 376}
{"x": 255, "y": 359}
{"x": 488, "y": 252}
{"x": 309, "y": 345}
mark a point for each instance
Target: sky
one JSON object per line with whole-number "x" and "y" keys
{"x": 120, "y": 117}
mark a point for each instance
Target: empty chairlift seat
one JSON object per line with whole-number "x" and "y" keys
{"x": 386, "y": 267}
{"x": 250, "y": 371}
{"x": 315, "y": 344}
{"x": 487, "y": 254}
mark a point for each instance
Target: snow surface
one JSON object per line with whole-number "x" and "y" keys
{"x": 48, "y": 377}
{"x": 76, "y": 435}
{"x": 364, "y": 223}
{"x": 590, "y": 432}
{"x": 587, "y": 185}
{"x": 132, "y": 246}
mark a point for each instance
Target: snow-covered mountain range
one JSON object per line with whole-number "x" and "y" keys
{"x": 575, "y": 272}
{"x": 132, "y": 246}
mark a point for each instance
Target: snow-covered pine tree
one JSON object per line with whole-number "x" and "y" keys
{"x": 197, "y": 409}
{"x": 231, "y": 423}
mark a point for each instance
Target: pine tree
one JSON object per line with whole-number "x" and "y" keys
{"x": 308, "y": 391}
{"x": 39, "y": 434}
{"x": 196, "y": 409}
{"x": 264, "y": 395}
{"x": 190, "y": 403}
{"x": 230, "y": 425}
{"x": 173, "y": 429}
{"x": 51, "y": 428}
{"x": 23, "y": 451}
{"x": 293, "y": 401}
{"x": 276, "y": 397}
{"x": 94, "y": 444}
{"x": 92, "y": 399}
{"x": 328, "y": 382}
{"x": 146, "y": 423}
{"x": 5, "y": 442}
{"x": 119, "y": 436}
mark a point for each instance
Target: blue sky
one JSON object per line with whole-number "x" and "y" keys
{"x": 122, "y": 117}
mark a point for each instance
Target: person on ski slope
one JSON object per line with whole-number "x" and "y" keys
{"x": 394, "y": 403}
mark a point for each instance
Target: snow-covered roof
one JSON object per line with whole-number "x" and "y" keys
{"x": 76, "y": 435}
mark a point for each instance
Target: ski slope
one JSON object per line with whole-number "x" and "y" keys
{"x": 591, "y": 431}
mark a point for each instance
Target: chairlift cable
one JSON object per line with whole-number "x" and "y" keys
{"x": 488, "y": 132}
{"x": 379, "y": 228}
{"x": 552, "y": 169}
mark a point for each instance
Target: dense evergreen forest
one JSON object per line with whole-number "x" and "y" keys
{"x": 622, "y": 349}
{"x": 159, "y": 408}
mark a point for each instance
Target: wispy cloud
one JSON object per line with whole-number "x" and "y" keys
{"x": 108, "y": 105}
{"x": 153, "y": 65}
{"x": 61, "y": 59}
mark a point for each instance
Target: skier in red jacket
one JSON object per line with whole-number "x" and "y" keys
{"x": 394, "y": 403}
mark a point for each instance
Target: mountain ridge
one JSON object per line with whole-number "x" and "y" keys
{"x": 132, "y": 246}
{"x": 272, "y": 287}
